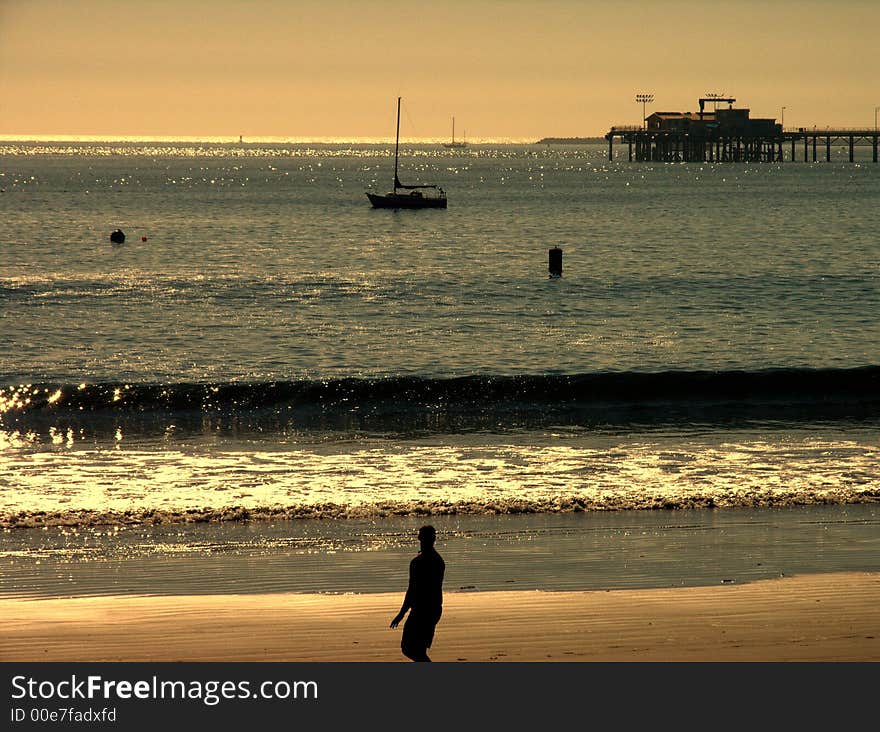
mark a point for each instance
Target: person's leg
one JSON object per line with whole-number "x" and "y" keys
{"x": 414, "y": 642}
{"x": 415, "y": 653}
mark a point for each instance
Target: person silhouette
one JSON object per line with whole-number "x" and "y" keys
{"x": 423, "y": 599}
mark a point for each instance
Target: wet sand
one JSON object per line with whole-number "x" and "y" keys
{"x": 816, "y": 617}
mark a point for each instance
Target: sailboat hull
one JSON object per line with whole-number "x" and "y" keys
{"x": 406, "y": 200}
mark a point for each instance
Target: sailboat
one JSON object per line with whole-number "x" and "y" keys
{"x": 419, "y": 196}
{"x": 454, "y": 143}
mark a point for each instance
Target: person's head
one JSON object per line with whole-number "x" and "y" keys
{"x": 427, "y": 536}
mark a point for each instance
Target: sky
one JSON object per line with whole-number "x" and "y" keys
{"x": 505, "y": 69}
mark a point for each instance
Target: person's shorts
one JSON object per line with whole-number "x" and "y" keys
{"x": 418, "y": 630}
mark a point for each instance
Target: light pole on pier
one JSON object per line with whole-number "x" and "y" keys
{"x": 782, "y": 122}
{"x": 875, "y": 118}
{"x": 644, "y": 99}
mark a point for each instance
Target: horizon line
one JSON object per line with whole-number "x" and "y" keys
{"x": 270, "y": 139}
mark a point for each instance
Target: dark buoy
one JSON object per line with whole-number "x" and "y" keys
{"x": 555, "y": 262}
{"x": 117, "y": 236}
{"x": 143, "y": 238}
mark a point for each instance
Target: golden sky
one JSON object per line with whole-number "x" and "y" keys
{"x": 503, "y": 68}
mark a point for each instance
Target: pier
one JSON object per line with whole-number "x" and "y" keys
{"x": 732, "y": 136}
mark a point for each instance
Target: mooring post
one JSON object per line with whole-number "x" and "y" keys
{"x": 610, "y": 148}
{"x": 851, "y": 148}
{"x": 875, "y": 148}
{"x": 828, "y": 149}
{"x": 555, "y": 258}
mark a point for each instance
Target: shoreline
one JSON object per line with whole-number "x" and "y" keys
{"x": 820, "y": 617}
{"x": 575, "y": 551}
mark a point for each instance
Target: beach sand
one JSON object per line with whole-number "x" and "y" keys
{"x": 818, "y": 617}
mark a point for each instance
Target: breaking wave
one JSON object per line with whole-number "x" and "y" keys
{"x": 412, "y": 404}
{"x": 367, "y": 511}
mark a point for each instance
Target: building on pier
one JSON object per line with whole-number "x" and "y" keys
{"x": 727, "y": 135}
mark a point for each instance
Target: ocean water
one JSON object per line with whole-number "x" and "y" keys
{"x": 267, "y": 351}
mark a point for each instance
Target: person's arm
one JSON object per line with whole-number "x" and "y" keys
{"x": 407, "y": 599}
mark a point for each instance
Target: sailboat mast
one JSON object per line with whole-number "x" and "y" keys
{"x": 396, "y": 144}
{"x": 453, "y": 129}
